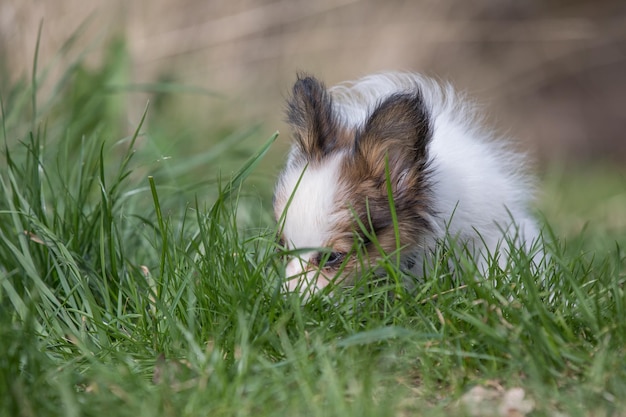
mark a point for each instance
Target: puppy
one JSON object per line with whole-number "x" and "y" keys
{"x": 398, "y": 162}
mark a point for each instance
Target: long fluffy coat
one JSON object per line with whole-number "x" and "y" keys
{"x": 398, "y": 132}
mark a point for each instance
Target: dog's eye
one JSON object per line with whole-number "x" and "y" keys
{"x": 334, "y": 259}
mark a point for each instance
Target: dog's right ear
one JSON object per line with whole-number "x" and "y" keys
{"x": 312, "y": 119}
{"x": 399, "y": 131}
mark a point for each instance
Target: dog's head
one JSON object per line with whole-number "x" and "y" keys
{"x": 347, "y": 184}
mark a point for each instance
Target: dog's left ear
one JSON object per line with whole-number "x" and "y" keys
{"x": 398, "y": 129}
{"x": 312, "y": 119}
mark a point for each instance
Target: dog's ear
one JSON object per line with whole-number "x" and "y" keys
{"x": 312, "y": 119}
{"x": 398, "y": 130}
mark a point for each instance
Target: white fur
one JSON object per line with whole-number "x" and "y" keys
{"x": 480, "y": 190}
{"x": 307, "y": 221}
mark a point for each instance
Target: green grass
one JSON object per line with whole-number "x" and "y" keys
{"x": 131, "y": 286}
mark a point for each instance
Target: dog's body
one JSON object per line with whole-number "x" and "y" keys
{"x": 403, "y": 134}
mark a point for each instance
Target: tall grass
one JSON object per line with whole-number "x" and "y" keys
{"x": 120, "y": 294}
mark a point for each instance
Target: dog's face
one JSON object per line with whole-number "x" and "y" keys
{"x": 334, "y": 191}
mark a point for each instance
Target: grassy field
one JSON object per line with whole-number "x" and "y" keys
{"x": 140, "y": 278}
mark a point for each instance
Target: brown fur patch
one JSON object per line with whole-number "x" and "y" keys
{"x": 397, "y": 132}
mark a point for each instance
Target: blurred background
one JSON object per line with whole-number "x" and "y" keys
{"x": 549, "y": 73}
